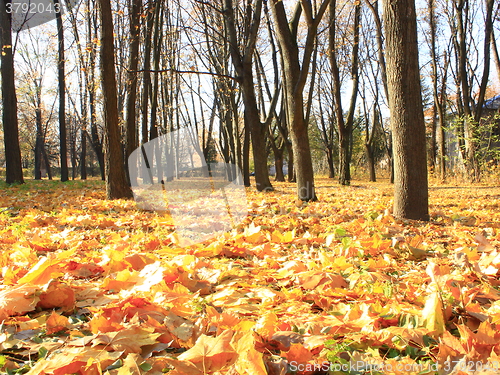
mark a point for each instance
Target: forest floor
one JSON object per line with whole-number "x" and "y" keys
{"x": 338, "y": 286}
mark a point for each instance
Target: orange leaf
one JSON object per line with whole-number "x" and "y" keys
{"x": 266, "y": 325}
{"x": 56, "y": 323}
{"x": 103, "y": 325}
{"x": 249, "y": 361}
{"x": 58, "y": 295}
{"x": 74, "y": 360}
{"x": 211, "y": 354}
{"x": 297, "y": 354}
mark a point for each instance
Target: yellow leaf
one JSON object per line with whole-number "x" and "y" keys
{"x": 129, "y": 340}
{"x": 17, "y": 300}
{"x": 266, "y": 325}
{"x": 249, "y": 361}
{"x": 433, "y": 314}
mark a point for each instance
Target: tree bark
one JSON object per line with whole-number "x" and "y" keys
{"x": 405, "y": 104}
{"x": 345, "y": 127}
{"x": 496, "y": 55}
{"x": 14, "y": 169}
{"x": 83, "y": 155}
{"x": 243, "y": 63}
{"x": 295, "y": 80}
{"x": 117, "y": 186}
{"x": 61, "y": 77}
{"x": 439, "y": 94}
{"x": 39, "y": 131}
{"x": 95, "y": 140}
{"x": 131, "y": 119}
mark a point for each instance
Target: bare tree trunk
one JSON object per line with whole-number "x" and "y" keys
{"x": 345, "y": 127}
{"x": 117, "y": 186}
{"x": 47, "y": 163}
{"x": 295, "y": 80}
{"x": 370, "y": 138}
{"x": 407, "y": 118}
{"x": 496, "y": 56}
{"x": 243, "y": 63}
{"x": 327, "y": 136}
{"x": 14, "y": 169}
{"x": 437, "y": 108}
{"x": 83, "y": 155}
{"x": 246, "y": 156}
{"x": 95, "y": 139}
{"x": 146, "y": 86}
{"x": 61, "y": 77}
{"x": 131, "y": 119}
{"x": 39, "y": 132}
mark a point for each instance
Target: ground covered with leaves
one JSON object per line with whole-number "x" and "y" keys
{"x": 338, "y": 286}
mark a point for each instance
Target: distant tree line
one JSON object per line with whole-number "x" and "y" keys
{"x": 292, "y": 84}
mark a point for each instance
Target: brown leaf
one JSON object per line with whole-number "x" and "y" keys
{"x": 210, "y": 354}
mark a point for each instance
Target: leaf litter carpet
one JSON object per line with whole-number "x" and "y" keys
{"x": 338, "y": 286}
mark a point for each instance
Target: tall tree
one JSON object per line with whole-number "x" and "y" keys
{"x": 131, "y": 127}
{"x": 14, "y": 170}
{"x": 345, "y": 127}
{"x": 243, "y": 63}
{"x": 295, "y": 76}
{"x": 116, "y": 181}
{"x": 471, "y": 109}
{"x": 405, "y": 104}
{"x": 61, "y": 76}
{"x": 438, "y": 90}
{"x": 95, "y": 138}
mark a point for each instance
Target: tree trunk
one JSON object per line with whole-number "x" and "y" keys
{"x": 63, "y": 148}
{"x": 243, "y": 63}
{"x": 131, "y": 120}
{"x": 295, "y": 79}
{"x": 371, "y": 162}
{"x": 83, "y": 155}
{"x": 95, "y": 140}
{"x": 345, "y": 127}
{"x": 39, "y": 133}
{"x": 246, "y": 156}
{"x": 147, "y": 68}
{"x": 407, "y": 118}
{"x": 117, "y": 186}
{"x": 47, "y": 163}
{"x": 496, "y": 55}
{"x": 438, "y": 134}
{"x": 14, "y": 169}
{"x": 370, "y": 138}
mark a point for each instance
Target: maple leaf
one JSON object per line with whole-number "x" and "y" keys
{"x": 297, "y": 353}
{"x": 17, "y": 300}
{"x": 75, "y": 361}
{"x": 56, "y": 323}
{"x": 46, "y": 269}
{"x": 209, "y": 354}
{"x": 57, "y": 295}
{"x": 128, "y": 340}
{"x": 249, "y": 361}
{"x": 433, "y": 313}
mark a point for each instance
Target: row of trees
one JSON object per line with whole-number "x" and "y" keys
{"x": 260, "y": 76}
